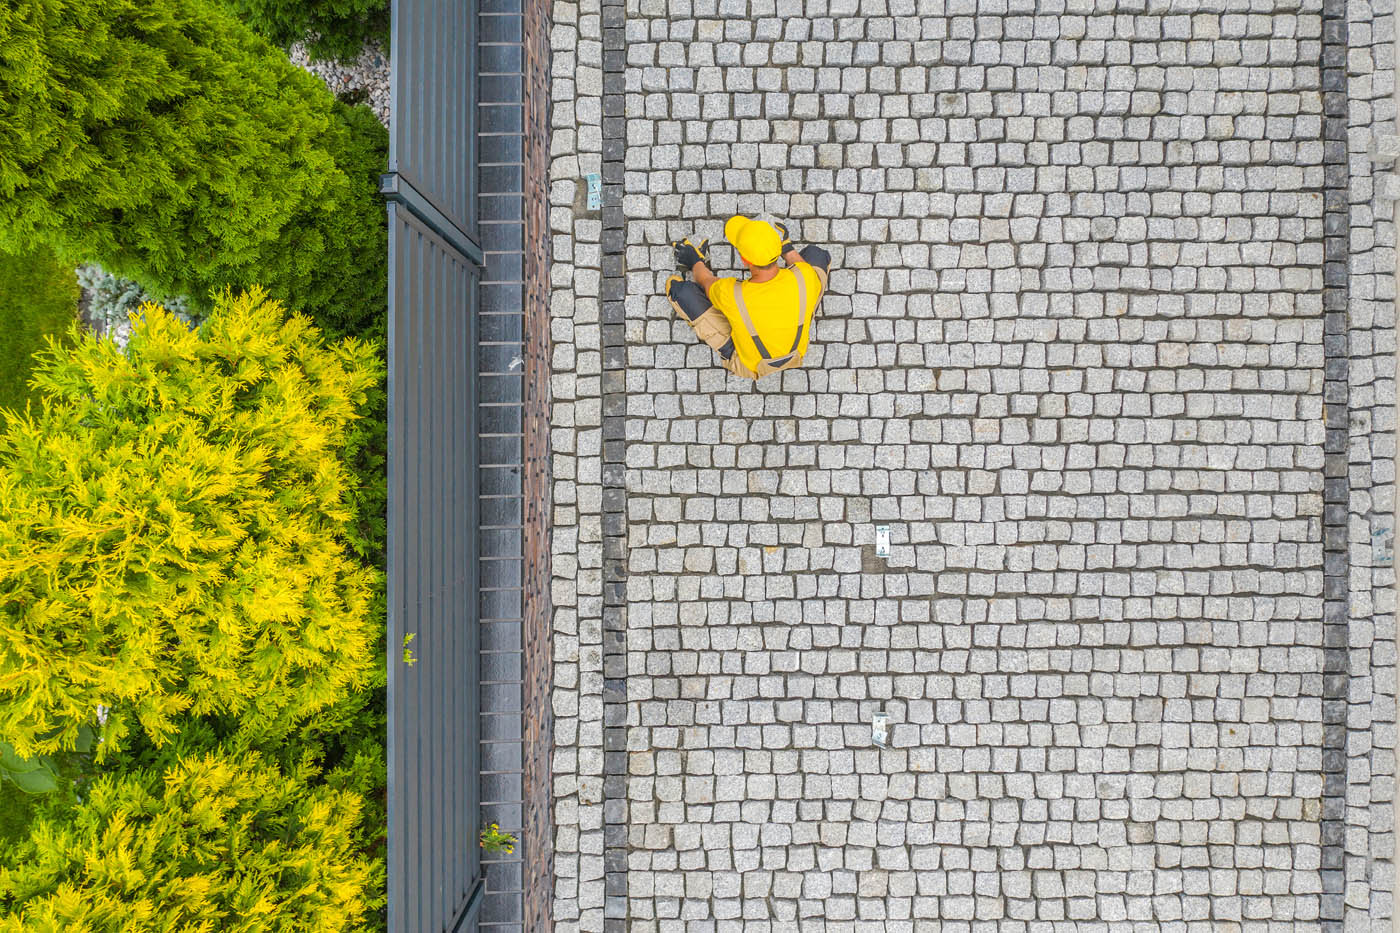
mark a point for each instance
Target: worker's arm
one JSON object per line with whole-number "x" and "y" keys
{"x": 790, "y": 254}
{"x": 703, "y": 276}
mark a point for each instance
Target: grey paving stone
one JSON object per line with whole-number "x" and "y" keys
{"x": 1074, "y": 358}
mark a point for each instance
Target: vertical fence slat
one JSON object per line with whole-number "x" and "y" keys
{"x": 432, "y": 882}
{"x": 424, "y": 591}
{"x": 458, "y": 131}
{"x": 456, "y": 556}
{"x": 414, "y": 678}
{"x": 472, "y": 744}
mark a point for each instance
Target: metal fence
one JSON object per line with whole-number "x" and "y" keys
{"x": 435, "y": 260}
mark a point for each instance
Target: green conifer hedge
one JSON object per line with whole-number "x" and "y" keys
{"x": 222, "y": 842}
{"x": 172, "y": 144}
{"x": 174, "y": 531}
{"x": 341, "y": 27}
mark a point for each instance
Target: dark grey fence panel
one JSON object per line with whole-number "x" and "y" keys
{"x": 434, "y": 797}
{"x": 434, "y": 727}
{"x": 433, "y": 95}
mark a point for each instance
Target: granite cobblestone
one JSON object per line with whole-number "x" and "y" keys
{"x": 1074, "y": 357}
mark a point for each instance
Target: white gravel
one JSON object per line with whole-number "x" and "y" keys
{"x": 368, "y": 72}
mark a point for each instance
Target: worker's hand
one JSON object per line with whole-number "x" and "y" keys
{"x": 783, "y": 232}
{"x": 688, "y": 254}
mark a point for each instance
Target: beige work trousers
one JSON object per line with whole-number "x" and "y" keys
{"x": 713, "y": 328}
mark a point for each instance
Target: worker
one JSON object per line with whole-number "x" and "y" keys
{"x": 761, "y": 324}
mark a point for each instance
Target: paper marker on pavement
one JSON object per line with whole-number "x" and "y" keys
{"x": 880, "y": 730}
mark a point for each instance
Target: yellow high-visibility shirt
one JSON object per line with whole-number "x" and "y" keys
{"x": 772, "y": 307}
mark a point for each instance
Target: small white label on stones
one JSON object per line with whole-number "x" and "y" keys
{"x": 595, "y": 190}
{"x": 880, "y": 730}
{"x": 882, "y": 540}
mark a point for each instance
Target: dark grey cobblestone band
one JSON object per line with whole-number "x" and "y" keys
{"x": 614, "y": 518}
{"x": 1336, "y": 494}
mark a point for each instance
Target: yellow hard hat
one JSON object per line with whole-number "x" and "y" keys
{"x": 756, "y": 240}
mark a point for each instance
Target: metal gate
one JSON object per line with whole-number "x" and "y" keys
{"x": 435, "y": 876}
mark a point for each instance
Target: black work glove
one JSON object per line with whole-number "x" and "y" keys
{"x": 783, "y": 232}
{"x": 688, "y": 254}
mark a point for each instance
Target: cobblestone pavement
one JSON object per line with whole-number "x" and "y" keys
{"x": 1094, "y": 265}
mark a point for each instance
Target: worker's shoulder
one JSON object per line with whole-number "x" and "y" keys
{"x": 722, "y": 290}
{"x": 808, "y": 271}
